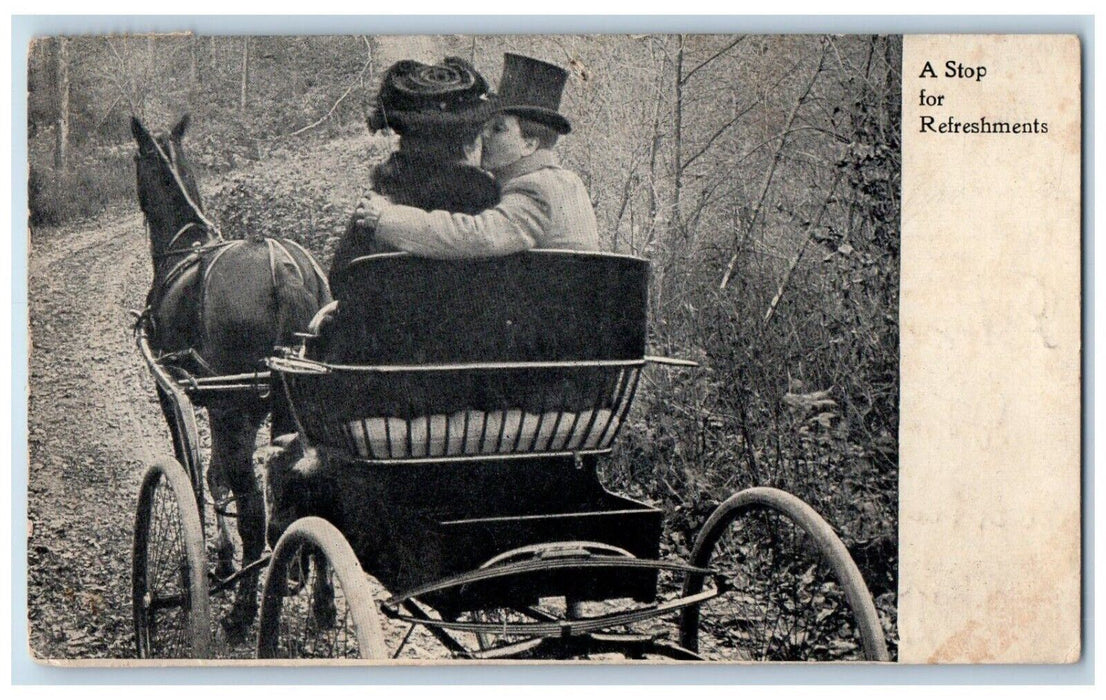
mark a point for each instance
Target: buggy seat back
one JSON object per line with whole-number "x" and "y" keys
{"x": 530, "y": 354}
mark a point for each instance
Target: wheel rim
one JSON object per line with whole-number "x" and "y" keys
{"x": 311, "y": 624}
{"x": 316, "y": 601}
{"x": 163, "y": 597}
{"x": 798, "y": 567}
{"x": 780, "y": 600}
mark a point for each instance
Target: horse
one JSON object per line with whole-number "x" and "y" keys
{"x": 218, "y": 307}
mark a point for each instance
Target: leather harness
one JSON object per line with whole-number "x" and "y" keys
{"x": 201, "y": 254}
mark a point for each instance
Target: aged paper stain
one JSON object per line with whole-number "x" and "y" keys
{"x": 990, "y": 430}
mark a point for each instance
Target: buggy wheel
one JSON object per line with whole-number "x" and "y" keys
{"x": 317, "y": 602}
{"x": 172, "y": 616}
{"x": 789, "y": 588}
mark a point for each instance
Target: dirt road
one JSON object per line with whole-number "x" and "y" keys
{"x": 94, "y": 424}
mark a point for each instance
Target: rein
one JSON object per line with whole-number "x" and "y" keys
{"x": 213, "y": 238}
{"x": 210, "y": 229}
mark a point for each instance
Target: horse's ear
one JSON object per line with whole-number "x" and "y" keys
{"x": 140, "y": 134}
{"x": 179, "y": 129}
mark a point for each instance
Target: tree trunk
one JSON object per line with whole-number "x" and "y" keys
{"x": 245, "y": 73}
{"x": 369, "y": 77}
{"x": 193, "y": 67}
{"x": 61, "y": 66}
{"x": 677, "y": 138}
{"x": 149, "y": 71}
{"x": 654, "y": 149}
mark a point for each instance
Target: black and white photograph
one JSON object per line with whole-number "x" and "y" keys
{"x": 426, "y": 349}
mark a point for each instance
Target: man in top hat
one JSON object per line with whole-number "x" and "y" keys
{"x": 543, "y": 205}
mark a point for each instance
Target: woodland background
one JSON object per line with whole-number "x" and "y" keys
{"x": 759, "y": 174}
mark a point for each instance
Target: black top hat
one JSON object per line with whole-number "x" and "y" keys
{"x": 532, "y": 90}
{"x": 415, "y": 96}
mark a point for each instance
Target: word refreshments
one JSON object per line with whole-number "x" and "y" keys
{"x": 982, "y": 126}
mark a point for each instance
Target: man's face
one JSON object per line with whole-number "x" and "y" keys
{"x": 504, "y": 142}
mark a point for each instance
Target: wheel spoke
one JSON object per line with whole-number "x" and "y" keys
{"x": 170, "y": 587}
{"x": 157, "y": 536}
{"x": 307, "y": 610}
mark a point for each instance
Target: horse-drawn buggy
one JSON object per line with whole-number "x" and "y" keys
{"x": 443, "y": 483}
{"x": 456, "y": 462}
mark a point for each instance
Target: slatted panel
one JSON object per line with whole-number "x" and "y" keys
{"x": 501, "y": 430}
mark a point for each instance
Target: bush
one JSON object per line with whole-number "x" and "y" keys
{"x": 87, "y": 188}
{"x": 302, "y": 193}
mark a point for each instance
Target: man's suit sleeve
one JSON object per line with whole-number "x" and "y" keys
{"x": 514, "y": 225}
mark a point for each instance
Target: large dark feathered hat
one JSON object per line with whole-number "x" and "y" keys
{"x": 532, "y": 89}
{"x": 415, "y": 96}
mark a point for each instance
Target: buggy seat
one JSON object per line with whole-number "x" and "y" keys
{"x": 532, "y": 354}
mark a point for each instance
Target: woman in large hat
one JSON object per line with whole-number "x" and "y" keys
{"x": 438, "y": 111}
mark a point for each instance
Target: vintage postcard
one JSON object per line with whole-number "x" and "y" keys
{"x": 590, "y": 348}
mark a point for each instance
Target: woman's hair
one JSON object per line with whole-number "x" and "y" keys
{"x": 441, "y": 141}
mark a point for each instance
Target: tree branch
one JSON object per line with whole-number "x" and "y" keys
{"x": 113, "y": 77}
{"x": 733, "y": 121}
{"x": 320, "y": 120}
{"x": 732, "y": 44}
{"x": 802, "y": 249}
{"x": 772, "y": 168}
{"x": 718, "y": 133}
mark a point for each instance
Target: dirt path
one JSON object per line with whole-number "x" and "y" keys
{"x": 94, "y": 424}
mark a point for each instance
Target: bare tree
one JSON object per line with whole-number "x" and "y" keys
{"x": 781, "y": 141}
{"x": 677, "y": 137}
{"x": 61, "y": 67}
{"x": 245, "y": 73}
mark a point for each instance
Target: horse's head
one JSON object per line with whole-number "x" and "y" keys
{"x": 167, "y": 191}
